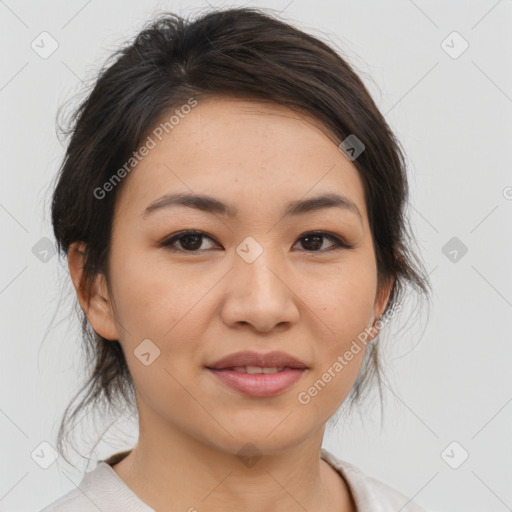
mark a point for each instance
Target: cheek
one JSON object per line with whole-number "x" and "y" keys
{"x": 156, "y": 303}
{"x": 152, "y": 295}
{"x": 343, "y": 301}
{"x": 343, "y": 308}
{"x": 166, "y": 304}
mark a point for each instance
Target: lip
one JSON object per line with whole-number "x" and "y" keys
{"x": 260, "y": 384}
{"x": 266, "y": 360}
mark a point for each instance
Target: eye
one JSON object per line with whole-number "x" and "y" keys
{"x": 314, "y": 240}
{"x": 191, "y": 241}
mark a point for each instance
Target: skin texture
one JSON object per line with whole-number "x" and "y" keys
{"x": 197, "y": 307}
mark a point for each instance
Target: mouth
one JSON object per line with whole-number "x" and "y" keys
{"x": 256, "y": 369}
{"x": 258, "y": 375}
{"x": 258, "y": 382}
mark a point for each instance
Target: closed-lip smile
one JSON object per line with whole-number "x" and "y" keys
{"x": 258, "y": 374}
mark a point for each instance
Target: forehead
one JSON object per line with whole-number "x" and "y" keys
{"x": 256, "y": 153}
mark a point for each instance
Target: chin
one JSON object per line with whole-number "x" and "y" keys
{"x": 262, "y": 438}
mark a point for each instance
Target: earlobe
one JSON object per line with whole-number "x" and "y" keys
{"x": 94, "y": 299}
{"x": 381, "y": 303}
{"x": 383, "y": 298}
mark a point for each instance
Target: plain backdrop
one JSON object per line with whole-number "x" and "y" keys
{"x": 445, "y": 437}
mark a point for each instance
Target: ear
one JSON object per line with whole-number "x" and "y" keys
{"x": 94, "y": 300}
{"x": 383, "y": 296}
{"x": 381, "y": 301}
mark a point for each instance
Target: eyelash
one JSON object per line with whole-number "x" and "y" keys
{"x": 339, "y": 243}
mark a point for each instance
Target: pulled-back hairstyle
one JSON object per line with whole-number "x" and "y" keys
{"x": 244, "y": 53}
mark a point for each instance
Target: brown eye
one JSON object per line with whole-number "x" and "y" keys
{"x": 313, "y": 241}
{"x": 192, "y": 241}
{"x": 186, "y": 241}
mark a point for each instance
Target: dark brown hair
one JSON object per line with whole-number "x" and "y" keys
{"x": 242, "y": 52}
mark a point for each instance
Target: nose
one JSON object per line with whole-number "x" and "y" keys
{"x": 260, "y": 294}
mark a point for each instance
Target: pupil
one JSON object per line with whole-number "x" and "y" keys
{"x": 186, "y": 239}
{"x": 314, "y": 237}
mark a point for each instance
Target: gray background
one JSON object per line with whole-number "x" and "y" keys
{"x": 449, "y": 373}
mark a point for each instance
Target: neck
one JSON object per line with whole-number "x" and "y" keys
{"x": 175, "y": 472}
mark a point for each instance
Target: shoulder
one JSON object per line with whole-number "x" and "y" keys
{"x": 370, "y": 493}
{"x": 73, "y": 501}
{"x": 99, "y": 489}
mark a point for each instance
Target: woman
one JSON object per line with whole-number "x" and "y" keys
{"x": 231, "y": 205}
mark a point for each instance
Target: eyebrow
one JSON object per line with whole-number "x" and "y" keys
{"x": 214, "y": 206}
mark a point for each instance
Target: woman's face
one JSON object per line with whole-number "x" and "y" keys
{"x": 252, "y": 281}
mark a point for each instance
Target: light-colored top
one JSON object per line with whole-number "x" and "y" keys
{"x": 101, "y": 490}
